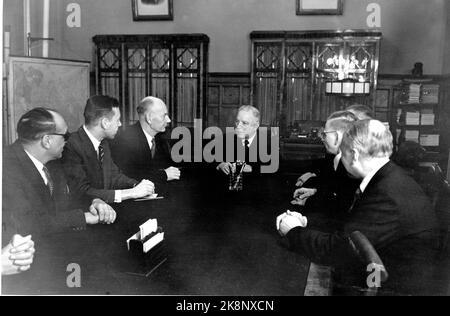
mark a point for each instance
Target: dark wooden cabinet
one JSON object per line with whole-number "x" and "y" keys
{"x": 291, "y": 71}
{"x": 172, "y": 67}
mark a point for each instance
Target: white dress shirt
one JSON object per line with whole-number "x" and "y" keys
{"x": 250, "y": 140}
{"x": 336, "y": 160}
{"x": 96, "y": 143}
{"x": 149, "y": 138}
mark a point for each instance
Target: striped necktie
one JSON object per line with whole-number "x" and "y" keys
{"x": 101, "y": 154}
{"x": 50, "y": 184}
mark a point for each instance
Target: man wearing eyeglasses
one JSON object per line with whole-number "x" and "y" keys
{"x": 331, "y": 189}
{"x": 35, "y": 193}
{"x": 246, "y": 127}
{"x": 36, "y": 201}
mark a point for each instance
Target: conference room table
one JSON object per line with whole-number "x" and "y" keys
{"x": 216, "y": 243}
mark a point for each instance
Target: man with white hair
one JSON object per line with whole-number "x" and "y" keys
{"x": 389, "y": 208}
{"x": 141, "y": 151}
{"x": 246, "y": 130}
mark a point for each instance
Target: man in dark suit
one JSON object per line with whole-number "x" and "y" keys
{"x": 87, "y": 160}
{"x": 36, "y": 199}
{"x": 245, "y": 140}
{"x": 141, "y": 151}
{"x": 249, "y": 143}
{"x": 389, "y": 208}
{"x": 35, "y": 193}
{"x": 331, "y": 189}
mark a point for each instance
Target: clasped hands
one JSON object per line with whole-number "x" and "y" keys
{"x": 173, "y": 173}
{"x": 228, "y": 167}
{"x": 18, "y": 255}
{"x": 288, "y": 220}
{"x": 100, "y": 213}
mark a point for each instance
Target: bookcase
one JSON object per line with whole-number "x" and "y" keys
{"x": 172, "y": 67}
{"x": 416, "y": 116}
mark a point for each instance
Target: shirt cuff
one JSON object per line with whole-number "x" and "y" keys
{"x": 117, "y": 196}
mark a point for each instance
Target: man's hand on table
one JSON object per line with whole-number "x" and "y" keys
{"x": 303, "y": 178}
{"x": 173, "y": 173}
{"x": 288, "y": 220}
{"x": 18, "y": 255}
{"x": 100, "y": 212}
{"x": 301, "y": 196}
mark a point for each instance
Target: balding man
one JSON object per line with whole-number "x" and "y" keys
{"x": 35, "y": 193}
{"x": 141, "y": 151}
{"x": 389, "y": 208}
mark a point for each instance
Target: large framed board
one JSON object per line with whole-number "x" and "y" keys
{"x": 62, "y": 85}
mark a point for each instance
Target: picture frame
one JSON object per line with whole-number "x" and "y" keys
{"x": 45, "y": 82}
{"x": 148, "y": 10}
{"x": 320, "y": 7}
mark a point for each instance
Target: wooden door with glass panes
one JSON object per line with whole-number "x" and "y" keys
{"x": 170, "y": 67}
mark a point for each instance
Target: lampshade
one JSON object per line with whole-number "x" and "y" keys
{"x": 347, "y": 87}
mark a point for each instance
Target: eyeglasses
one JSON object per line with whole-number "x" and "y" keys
{"x": 245, "y": 124}
{"x": 323, "y": 133}
{"x": 66, "y": 135}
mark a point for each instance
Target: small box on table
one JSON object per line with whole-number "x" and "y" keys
{"x": 147, "y": 249}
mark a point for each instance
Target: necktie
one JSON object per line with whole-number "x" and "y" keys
{"x": 247, "y": 149}
{"x": 153, "y": 148}
{"x": 101, "y": 153}
{"x": 356, "y": 197}
{"x": 50, "y": 184}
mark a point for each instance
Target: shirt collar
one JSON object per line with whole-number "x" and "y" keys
{"x": 148, "y": 136}
{"x": 94, "y": 140}
{"x": 367, "y": 178}
{"x": 336, "y": 160}
{"x": 250, "y": 140}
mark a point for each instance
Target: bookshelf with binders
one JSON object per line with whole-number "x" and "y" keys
{"x": 417, "y": 117}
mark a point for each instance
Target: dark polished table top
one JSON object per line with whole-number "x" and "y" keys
{"x": 217, "y": 243}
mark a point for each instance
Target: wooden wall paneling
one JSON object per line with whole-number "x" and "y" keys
{"x": 227, "y": 92}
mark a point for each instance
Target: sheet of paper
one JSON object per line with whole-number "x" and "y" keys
{"x": 151, "y": 197}
{"x": 148, "y": 227}
{"x": 152, "y": 242}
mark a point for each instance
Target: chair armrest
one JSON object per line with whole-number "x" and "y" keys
{"x": 367, "y": 253}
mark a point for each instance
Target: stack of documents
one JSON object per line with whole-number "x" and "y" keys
{"x": 412, "y": 135}
{"x": 412, "y": 118}
{"x": 429, "y": 140}
{"x": 414, "y": 93}
{"x": 427, "y": 117}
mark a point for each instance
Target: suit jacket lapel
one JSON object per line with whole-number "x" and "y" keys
{"x": 92, "y": 158}
{"x": 35, "y": 179}
{"x": 144, "y": 147}
{"x": 88, "y": 147}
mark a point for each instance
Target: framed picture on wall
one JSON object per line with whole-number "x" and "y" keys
{"x": 320, "y": 7}
{"x": 147, "y": 10}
